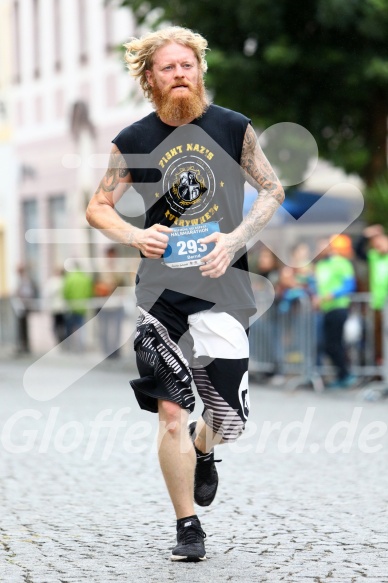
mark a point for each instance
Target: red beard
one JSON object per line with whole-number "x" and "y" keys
{"x": 180, "y": 107}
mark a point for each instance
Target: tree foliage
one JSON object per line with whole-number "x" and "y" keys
{"x": 377, "y": 196}
{"x": 322, "y": 64}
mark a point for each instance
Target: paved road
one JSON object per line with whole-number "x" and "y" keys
{"x": 300, "y": 498}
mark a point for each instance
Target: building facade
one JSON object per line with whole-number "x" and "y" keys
{"x": 64, "y": 94}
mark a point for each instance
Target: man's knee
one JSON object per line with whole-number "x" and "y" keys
{"x": 172, "y": 416}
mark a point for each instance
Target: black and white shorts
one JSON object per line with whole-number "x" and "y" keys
{"x": 208, "y": 347}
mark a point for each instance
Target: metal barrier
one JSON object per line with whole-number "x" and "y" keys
{"x": 40, "y": 322}
{"x": 283, "y": 341}
{"x": 286, "y": 341}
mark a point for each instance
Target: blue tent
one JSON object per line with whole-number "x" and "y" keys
{"x": 297, "y": 202}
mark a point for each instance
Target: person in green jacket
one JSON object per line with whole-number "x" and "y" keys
{"x": 373, "y": 248}
{"x": 335, "y": 281}
{"x": 77, "y": 289}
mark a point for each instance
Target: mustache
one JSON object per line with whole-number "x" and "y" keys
{"x": 179, "y": 84}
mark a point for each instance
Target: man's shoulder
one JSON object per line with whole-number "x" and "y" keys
{"x": 227, "y": 114}
{"x": 138, "y": 125}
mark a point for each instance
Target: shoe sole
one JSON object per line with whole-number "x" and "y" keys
{"x": 188, "y": 559}
{"x": 206, "y": 504}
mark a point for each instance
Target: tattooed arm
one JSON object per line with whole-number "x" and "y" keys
{"x": 101, "y": 212}
{"x": 258, "y": 173}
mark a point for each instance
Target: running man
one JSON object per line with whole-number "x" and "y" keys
{"x": 192, "y": 287}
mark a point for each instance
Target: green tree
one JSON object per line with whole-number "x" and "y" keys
{"x": 377, "y": 198}
{"x": 322, "y": 64}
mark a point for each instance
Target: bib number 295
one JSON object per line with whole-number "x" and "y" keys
{"x": 190, "y": 246}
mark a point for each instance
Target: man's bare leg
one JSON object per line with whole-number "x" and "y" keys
{"x": 177, "y": 457}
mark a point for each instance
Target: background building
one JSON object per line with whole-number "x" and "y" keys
{"x": 8, "y": 206}
{"x": 64, "y": 94}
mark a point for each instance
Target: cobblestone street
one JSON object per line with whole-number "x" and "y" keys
{"x": 301, "y": 498}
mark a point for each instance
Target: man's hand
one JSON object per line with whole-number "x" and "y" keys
{"x": 151, "y": 242}
{"x": 218, "y": 260}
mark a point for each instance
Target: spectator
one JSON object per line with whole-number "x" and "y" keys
{"x": 373, "y": 248}
{"x": 77, "y": 289}
{"x": 25, "y": 292}
{"x": 263, "y": 337}
{"x": 342, "y": 245}
{"x": 288, "y": 289}
{"x": 56, "y": 304}
{"x": 335, "y": 281}
{"x": 303, "y": 268}
{"x": 268, "y": 265}
{"x": 111, "y": 316}
{"x": 305, "y": 276}
{"x": 290, "y": 321}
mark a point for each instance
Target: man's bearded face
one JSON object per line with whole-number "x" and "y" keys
{"x": 179, "y": 101}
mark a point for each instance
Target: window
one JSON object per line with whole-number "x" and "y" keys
{"x": 57, "y": 220}
{"x": 59, "y": 104}
{"x": 30, "y": 220}
{"x": 108, "y": 25}
{"x": 16, "y": 47}
{"x": 57, "y": 35}
{"x": 82, "y": 32}
{"x": 36, "y": 37}
{"x": 38, "y": 109}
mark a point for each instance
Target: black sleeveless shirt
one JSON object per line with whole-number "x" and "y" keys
{"x": 205, "y": 156}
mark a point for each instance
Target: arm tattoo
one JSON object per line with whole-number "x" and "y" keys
{"x": 257, "y": 169}
{"x": 259, "y": 173}
{"x": 123, "y": 172}
{"x": 117, "y": 169}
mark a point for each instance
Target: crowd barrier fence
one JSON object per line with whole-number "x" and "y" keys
{"x": 287, "y": 341}
{"x": 284, "y": 341}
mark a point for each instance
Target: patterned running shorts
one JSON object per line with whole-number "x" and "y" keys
{"x": 209, "y": 348}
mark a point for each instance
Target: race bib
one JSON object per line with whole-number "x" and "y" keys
{"x": 183, "y": 248}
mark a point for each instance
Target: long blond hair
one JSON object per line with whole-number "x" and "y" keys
{"x": 140, "y": 51}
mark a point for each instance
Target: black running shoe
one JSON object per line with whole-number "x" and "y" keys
{"x": 206, "y": 475}
{"x": 190, "y": 542}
